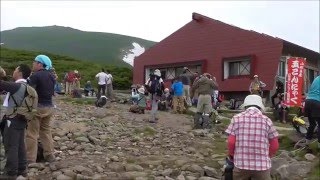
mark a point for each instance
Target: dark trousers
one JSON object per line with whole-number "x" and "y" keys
{"x": 274, "y": 96}
{"x": 86, "y": 92}
{"x": 103, "y": 88}
{"x": 15, "y": 149}
{"x": 312, "y": 124}
{"x": 312, "y": 112}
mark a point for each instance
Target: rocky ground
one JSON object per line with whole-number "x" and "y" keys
{"x": 112, "y": 143}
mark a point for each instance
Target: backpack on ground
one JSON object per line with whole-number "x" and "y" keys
{"x": 28, "y": 105}
{"x": 76, "y": 93}
{"x": 101, "y": 101}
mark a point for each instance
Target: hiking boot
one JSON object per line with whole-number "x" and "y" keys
{"x": 206, "y": 122}
{"x": 23, "y": 173}
{"x": 8, "y": 177}
{"x": 302, "y": 143}
{"x": 197, "y": 121}
{"x": 50, "y": 158}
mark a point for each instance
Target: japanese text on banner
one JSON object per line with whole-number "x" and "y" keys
{"x": 294, "y": 81}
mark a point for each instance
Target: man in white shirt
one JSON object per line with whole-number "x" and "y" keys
{"x": 102, "y": 81}
{"x": 109, "y": 86}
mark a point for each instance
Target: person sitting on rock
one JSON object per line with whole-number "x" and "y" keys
{"x": 134, "y": 94}
{"x": 252, "y": 141}
{"x": 140, "y": 105}
{"x": 88, "y": 89}
{"x": 168, "y": 97}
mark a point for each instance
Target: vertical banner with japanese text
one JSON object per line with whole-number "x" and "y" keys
{"x": 294, "y": 81}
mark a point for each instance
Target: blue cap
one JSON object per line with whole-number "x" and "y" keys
{"x": 43, "y": 59}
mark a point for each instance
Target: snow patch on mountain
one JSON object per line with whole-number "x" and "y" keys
{"x": 131, "y": 54}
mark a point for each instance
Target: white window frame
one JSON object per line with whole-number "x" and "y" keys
{"x": 247, "y": 67}
{"x": 171, "y": 72}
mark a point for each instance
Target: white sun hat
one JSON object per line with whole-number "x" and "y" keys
{"x": 253, "y": 100}
{"x": 141, "y": 90}
{"x": 157, "y": 72}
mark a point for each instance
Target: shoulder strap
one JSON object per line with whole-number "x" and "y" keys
{"x": 25, "y": 95}
{"x": 15, "y": 102}
{"x": 28, "y": 107}
{"x": 139, "y": 100}
{"x": 25, "y": 92}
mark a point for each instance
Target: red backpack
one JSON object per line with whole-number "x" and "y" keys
{"x": 71, "y": 76}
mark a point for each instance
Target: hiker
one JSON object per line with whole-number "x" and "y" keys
{"x": 205, "y": 86}
{"x": 193, "y": 92}
{"x": 279, "y": 91}
{"x": 64, "y": 81}
{"x": 43, "y": 81}
{"x": 312, "y": 109}
{"x": 88, "y": 89}
{"x": 168, "y": 98}
{"x": 162, "y": 103}
{"x": 256, "y": 86}
{"x": 14, "y": 127}
{"x": 57, "y": 85}
{"x": 109, "y": 86}
{"x": 140, "y": 105}
{"x": 155, "y": 88}
{"x": 58, "y": 88}
{"x": 177, "y": 100}
{"x": 102, "y": 81}
{"x": 77, "y": 79}
{"x": 252, "y": 141}
{"x": 281, "y": 110}
{"x": 185, "y": 79}
{"x": 70, "y": 82}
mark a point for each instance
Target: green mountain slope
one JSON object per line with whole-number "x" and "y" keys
{"x": 90, "y": 46}
{"x": 10, "y": 59}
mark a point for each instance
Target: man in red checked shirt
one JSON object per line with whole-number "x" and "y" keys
{"x": 252, "y": 141}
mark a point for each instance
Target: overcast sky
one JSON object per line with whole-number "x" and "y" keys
{"x": 294, "y": 21}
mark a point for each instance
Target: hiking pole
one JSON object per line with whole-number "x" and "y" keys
{"x": 303, "y": 147}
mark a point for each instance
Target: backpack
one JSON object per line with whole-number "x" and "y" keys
{"x": 76, "y": 93}
{"x": 70, "y": 76}
{"x": 155, "y": 87}
{"x": 101, "y": 101}
{"x": 28, "y": 105}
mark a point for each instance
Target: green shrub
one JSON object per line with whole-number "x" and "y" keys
{"x": 10, "y": 59}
